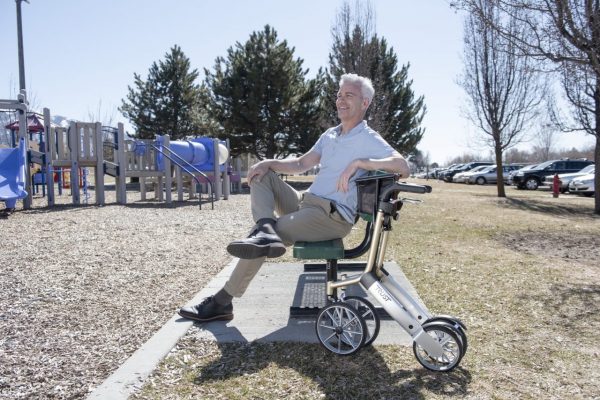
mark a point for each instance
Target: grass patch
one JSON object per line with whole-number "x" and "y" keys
{"x": 522, "y": 272}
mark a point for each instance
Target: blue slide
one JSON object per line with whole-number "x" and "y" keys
{"x": 12, "y": 174}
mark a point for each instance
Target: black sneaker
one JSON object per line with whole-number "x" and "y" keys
{"x": 208, "y": 310}
{"x": 260, "y": 244}
{"x": 8, "y": 211}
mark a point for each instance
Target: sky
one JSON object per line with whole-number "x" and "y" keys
{"x": 80, "y": 55}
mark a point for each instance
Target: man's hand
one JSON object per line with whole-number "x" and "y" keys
{"x": 257, "y": 171}
{"x": 342, "y": 183}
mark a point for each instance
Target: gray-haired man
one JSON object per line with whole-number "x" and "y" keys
{"x": 325, "y": 211}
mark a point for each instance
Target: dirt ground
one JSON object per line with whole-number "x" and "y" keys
{"x": 83, "y": 287}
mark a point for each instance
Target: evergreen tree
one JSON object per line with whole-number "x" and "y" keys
{"x": 168, "y": 102}
{"x": 395, "y": 112}
{"x": 261, "y": 100}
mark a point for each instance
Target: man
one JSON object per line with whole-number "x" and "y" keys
{"x": 326, "y": 211}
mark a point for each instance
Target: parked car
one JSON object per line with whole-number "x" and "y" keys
{"x": 490, "y": 174}
{"x": 565, "y": 179}
{"x": 461, "y": 177}
{"x": 532, "y": 178}
{"x": 442, "y": 172}
{"x": 583, "y": 185}
{"x": 508, "y": 177}
{"x": 449, "y": 175}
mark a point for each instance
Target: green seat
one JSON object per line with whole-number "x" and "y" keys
{"x": 324, "y": 250}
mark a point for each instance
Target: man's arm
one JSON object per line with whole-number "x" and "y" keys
{"x": 394, "y": 163}
{"x": 294, "y": 165}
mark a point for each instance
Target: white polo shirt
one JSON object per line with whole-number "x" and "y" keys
{"x": 336, "y": 153}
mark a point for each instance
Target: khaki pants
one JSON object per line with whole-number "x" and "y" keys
{"x": 300, "y": 217}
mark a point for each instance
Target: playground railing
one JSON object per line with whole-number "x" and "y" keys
{"x": 186, "y": 167}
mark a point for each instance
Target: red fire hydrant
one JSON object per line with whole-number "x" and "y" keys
{"x": 555, "y": 186}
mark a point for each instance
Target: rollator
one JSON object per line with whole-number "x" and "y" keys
{"x": 349, "y": 323}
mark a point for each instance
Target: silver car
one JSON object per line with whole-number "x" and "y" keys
{"x": 583, "y": 185}
{"x": 490, "y": 175}
{"x": 565, "y": 179}
{"x": 462, "y": 177}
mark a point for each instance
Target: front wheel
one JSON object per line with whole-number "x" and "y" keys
{"x": 531, "y": 184}
{"x": 452, "y": 347}
{"x": 480, "y": 180}
{"x": 458, "y": 325}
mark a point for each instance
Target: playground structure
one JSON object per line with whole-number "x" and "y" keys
{"x": 12, "y": 174}
{"x": 15, "y": 183}
{"x": 202, "y": 164}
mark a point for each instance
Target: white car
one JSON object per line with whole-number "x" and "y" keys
{"x": 583, "y": 185}
{"x": 462, "y": 177}
{"x": 565, "y": 179}
{"x": 490, "y": 174}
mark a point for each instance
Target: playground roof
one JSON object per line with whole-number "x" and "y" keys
{"x": 33, "y": 124}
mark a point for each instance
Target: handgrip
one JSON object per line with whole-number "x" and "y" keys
{"x": 404, "y": 187}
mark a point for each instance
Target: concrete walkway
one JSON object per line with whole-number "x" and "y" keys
{"x": 262, "y": 314}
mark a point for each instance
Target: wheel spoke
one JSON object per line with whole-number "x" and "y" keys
{"x": 329, "y": 315}
{"x": 368, "y": 313}
{"x": 444, "y": 339}
{"x": 329, "y": 337}
{"x": 349, "y": 340}
{"x": 354, "y": 332}
{"x": 355, "y": 318}
{"x": 328, "y": 327}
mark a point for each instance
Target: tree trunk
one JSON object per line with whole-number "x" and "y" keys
{"x": 597, "y": 171}
{"x": 597, "y": 149}
{"x": 499, "y": 170}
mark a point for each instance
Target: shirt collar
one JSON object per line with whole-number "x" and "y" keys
{"x": 359, "y": 127}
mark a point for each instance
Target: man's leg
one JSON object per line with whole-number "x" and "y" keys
{"x": 219, "y": 307}
{"x": 315, "y": 220}
{"x": 269, "y": 197}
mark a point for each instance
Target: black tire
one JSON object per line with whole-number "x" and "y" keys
{"x": 368, "y": 312}
{"x": 341, "y": 329}
{"x": 532, "y": 184}
{"x": 458, "y": 325}
{"x": 453, "y": 351}
{"x": 481, "y": 181}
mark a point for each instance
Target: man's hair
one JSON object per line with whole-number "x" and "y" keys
{"x": 365, "y": 85}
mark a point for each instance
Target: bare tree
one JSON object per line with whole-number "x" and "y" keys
{"x": 106, "y": 117}
{"x": 503, "y": 89}
{"x": 566, "y": 32}
{"x": 545, "y": 141}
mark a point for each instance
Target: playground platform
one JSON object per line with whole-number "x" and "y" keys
{"x": 262, "y": 314}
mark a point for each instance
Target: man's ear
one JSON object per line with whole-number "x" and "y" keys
{"x": 365, "y": 104}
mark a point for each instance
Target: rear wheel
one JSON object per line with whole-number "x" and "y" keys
{"x": 368, "y": 312}
{"x": 341, "y": 329}
{"x": 480, "y": 180}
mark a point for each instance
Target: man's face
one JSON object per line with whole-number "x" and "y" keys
{"x": 350, "y": 103}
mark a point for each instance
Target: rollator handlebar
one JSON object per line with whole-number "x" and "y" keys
{"x": 404, "y": 187}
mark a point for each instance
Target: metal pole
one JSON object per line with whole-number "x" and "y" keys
{"x": 20, "y": 41}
